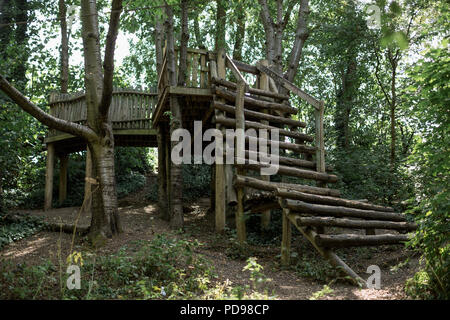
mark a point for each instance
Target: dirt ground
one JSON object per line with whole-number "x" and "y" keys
{"x": 140, "y": 221}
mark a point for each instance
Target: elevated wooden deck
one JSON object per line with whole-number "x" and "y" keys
{"x": 197, "y": 93}
{"x": 131, "y": 112}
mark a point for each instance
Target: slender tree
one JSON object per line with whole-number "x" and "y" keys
{"x": 64, "y": 55}
{"x": 98, "y": 131}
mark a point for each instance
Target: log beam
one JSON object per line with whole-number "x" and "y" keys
{"x": 272, "y": 186}
{"x": 339, "y": 211}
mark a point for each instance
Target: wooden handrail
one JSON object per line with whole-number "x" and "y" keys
{"x": 230, "y": 64}
{"x": 163, "y": 71}
{"x": 290, "y": 86}
{"x": 82, "y": 96}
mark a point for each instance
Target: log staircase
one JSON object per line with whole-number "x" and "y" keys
{"x": 316, "y": 210}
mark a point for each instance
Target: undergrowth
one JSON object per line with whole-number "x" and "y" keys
{"x": 17, "y": 228}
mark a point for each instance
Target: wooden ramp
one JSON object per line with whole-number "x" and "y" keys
{"x": 313, "y": 210}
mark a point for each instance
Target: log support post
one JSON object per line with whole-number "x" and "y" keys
{"x": 320, "y": 147}
{"x": 168, "y": 173}
{"x": 63, "y": 163}
{"x": 264, "y": 85}
{"x": 220, "y": 178}
{"x": 240, "y": 145}
{"x": 49, "y": 173}
{"x": 320, "y": 152}
{"x": 286, "y": 239}
{"x": 88, "y": 183}
{"x": 162, "y": 175}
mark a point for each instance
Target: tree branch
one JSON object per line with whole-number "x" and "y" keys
{"x": 287, "y": 14}
{"x": 301, "y": 35}
{"x": 43, "y": 117}
{"x": 268, "y": 25}
{"x": 108, "y": 63}
{"x": 377, "y": 76}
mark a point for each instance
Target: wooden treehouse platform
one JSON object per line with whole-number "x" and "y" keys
{"x": 228, "y": 94}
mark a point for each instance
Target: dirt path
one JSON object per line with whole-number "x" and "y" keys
{"x": 141, "y": 222}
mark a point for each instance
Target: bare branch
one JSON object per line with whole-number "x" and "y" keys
{"x": 377, "y": 74}
{"x": 43, "y": 117}
{"x": 108, "y": 64}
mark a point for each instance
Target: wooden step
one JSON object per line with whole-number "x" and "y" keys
{"x": 291, "y": 162}
{"x": 259, "y": 115}
{"x": 338, "y": 211}
{"x": 289, "y": 194}
{"x": 289, "y": 171}
{"x": 258, "y": 92}
{"x": 355, "y": 240}
{"x": 248, "y": 101}
{"x": 353, "y": 223}
{"x": 231, "y": 123}
{"x": 254, "y": 183}
{"x": 300, "y": 148}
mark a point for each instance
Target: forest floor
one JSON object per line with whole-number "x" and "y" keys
{"x": 141, "y": 222}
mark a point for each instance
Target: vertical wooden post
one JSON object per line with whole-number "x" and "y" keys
{"x": 162, "y": 174}
{"x": 63, "y": 162}
{"x": 320, "y": 151}
{"x": 264, "y": 85}
{"x": 240, "y": 125}
{"x": 220, "y": 168}
{"x": 49, "y": 173}
{"x": 87, "y": 183}
{"x": 167, "y": 152}
{"x": 286, "y": 239}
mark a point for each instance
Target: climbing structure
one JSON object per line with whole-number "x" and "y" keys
{"x": 218, "y": 93}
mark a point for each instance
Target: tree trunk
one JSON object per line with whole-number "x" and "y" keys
{"x": 393, "y": 106}
{"x": 183, "y": 44}
{"x": 221, "y": 21}
{"x": 274, "y": 30}
{"x": 105, "y": 220}
{"x": 98, "y": 133}
{"x": 176, "y": 179}
{"x": 240, "y": 35}
{"x": 301, "y": 35}
{"x": 21, "y": 38}
{"x": 64, "y": 47}
{"x": 158, "y": 35}
{"x": 344, "y": 104}
{"x": 162, "y": 174}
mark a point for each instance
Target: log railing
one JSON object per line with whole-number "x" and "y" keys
{"x": 319, "y": 106}
{"x": 130, "y": 109}
{"x": 197, "y": 71}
